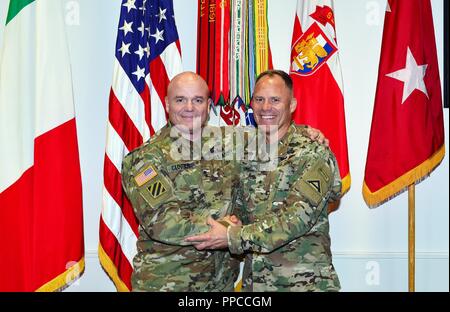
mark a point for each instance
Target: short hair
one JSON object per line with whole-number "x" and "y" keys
{"x": 275, "y": 72}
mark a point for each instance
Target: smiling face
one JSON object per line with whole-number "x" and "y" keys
{"x": 188, "y": 101}
{"x": 273, "y": 104}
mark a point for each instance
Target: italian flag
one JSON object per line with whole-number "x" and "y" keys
{"x": 41, "y": 216}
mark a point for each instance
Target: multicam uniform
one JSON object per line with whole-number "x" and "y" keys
{"x": 287, "y": 231}
{"x": 172, "y": 199}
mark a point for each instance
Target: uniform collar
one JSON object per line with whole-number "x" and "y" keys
{"x": 287, "y": 137}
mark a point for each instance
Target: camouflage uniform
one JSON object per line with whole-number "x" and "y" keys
{"x": 173, "y": 199}
{"x": 287, "y": 232}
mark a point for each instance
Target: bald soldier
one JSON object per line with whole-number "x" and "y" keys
{"x": 173, "y": 194}
{"x": 174, "y": 190}
{"x": 286, "y": 230}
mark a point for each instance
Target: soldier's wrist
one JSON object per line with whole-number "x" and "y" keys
{"x": 224, "y": 223}
{"x": 234, "y": 240}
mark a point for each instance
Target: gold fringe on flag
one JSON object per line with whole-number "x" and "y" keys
{"x": 415, "y": 175}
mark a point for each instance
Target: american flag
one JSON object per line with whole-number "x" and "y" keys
{"x": 148, "y": 56}
{"x": 145, "y": 176}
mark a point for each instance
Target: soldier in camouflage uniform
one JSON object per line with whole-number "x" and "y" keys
{"x": 286, "y": 231}
{"x": 173, "y": 198}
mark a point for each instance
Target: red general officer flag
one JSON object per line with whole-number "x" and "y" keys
{"x": 407, "y": 135}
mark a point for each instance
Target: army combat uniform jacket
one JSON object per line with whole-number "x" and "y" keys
{"x": 287, "y": 232}
{"x": 172, "y": 200}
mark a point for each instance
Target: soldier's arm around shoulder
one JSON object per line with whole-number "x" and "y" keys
{"x": 313, "y": 184}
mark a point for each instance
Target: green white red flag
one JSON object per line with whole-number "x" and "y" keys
{"x": 41, "y": 215}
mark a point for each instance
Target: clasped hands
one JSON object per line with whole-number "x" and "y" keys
{"x": 216, "y": 237}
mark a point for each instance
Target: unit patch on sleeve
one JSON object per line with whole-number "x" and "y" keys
{"x": 153, "y": 186}
{"x": 315, "y": 182}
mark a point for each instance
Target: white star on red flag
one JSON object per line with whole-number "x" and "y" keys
{"x": 412, "y": 76}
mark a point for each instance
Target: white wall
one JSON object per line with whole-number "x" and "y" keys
{"x": 369, "y": 246}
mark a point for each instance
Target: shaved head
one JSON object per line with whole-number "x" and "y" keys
{"x": 187, "y": 77}
{"x": 187, "y": 101}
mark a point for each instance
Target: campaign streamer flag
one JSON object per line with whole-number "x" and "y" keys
{"x": 261, "y": 58}
{"x": 250, "y": 54}
{"x": 407, "y": 134}
{"x": 232, "y": 50}
{"x": 240, "y": 58}
{"x": 213, "y": 39}
{"x": 41, "y": 212}
{"x": 148, "y": 56}
{"x": 316, "y": 72}
{"x": 258, "y": 56}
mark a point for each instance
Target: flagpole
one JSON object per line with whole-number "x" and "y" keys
{"x": 411, "y": 237}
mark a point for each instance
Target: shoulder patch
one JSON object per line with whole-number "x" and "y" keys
{"x": 315, "y": 182}
{"x": 155, "y": 188}
{"x": 146, "y": 175}
{"x": 157, "y": 191}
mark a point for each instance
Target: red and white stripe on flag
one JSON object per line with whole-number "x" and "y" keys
{"x": 148, "y": 56}
{"x": 41, "y": 213}
{"x": 316, "y": 72}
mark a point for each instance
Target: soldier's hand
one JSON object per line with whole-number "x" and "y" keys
{"x": 317, "y": 135}
{"x": 215, "y": 238}
{"x": 232, "y": 220}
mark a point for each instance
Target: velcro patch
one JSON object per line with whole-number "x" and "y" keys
{"x": 146, "y": 175}
{"x": 157, "y": 189}
{"x": 315, "y": 182}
